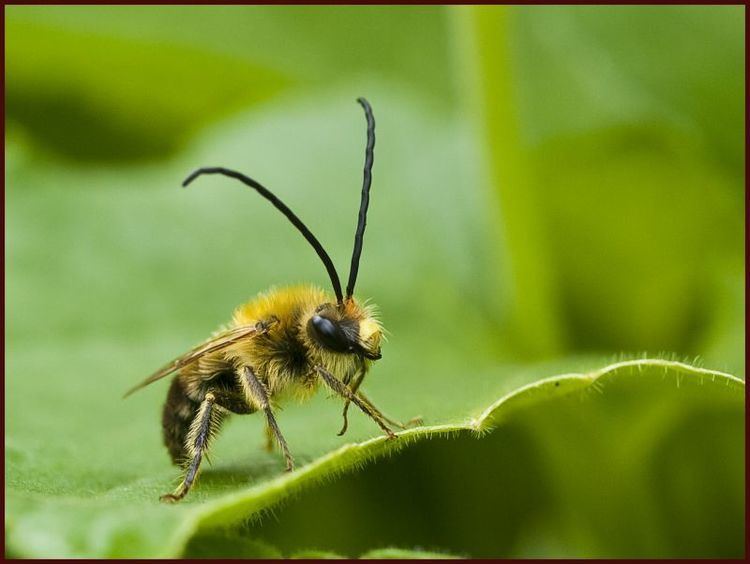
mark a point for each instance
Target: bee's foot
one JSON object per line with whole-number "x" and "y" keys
{"x": 414, "y": 421}
{"x": 289, "y": 466}
{"x": 390, "y": 435}
{"x": 170, "y": 498}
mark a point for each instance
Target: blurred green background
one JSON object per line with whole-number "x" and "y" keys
{"x": 550, "y": 183}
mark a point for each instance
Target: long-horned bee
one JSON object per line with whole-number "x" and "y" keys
{"x": 284, "y": 341}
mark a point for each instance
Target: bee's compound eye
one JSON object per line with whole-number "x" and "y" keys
{"x": 328, "y": 333}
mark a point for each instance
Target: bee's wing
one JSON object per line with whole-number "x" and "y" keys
{"x": 215, "y": 343}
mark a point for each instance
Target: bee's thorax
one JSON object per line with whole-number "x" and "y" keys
{"x": 308, "y": 329}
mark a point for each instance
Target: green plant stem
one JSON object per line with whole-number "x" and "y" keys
{"x": 483, "y": 44}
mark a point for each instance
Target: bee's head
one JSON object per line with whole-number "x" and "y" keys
{"x": 345, "y": 329}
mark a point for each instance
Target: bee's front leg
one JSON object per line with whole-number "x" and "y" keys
{"x": 343, "y": 390}
{"x": 354, "y": 389}
{"x": 414, "y": 421}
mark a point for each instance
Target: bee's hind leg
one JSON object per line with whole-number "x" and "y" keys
{"x": 203, "y": 427}
{"x": 259, "y": 396}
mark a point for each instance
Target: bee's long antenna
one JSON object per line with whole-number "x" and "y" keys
{"x": 281, "y": 206}
{"x": 365, "y": 201}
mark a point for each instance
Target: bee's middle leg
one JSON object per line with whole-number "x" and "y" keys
{"x": 259, "y": 395}
{"x": 205, "y": 424}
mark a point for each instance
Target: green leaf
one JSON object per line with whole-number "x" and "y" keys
{"x": 122, "y": 522}
{"x": 586, "y": 473}
{"x": 220, "y": 544}
{"x": 114, "y": 83}
{"x": 316, "y": 555}
{"x": 134, "y": 99}
{"x": 388, "y": 553}
{"x": 316, "y": 45}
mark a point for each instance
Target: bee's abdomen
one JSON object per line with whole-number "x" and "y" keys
{"x": 177, "y": 416}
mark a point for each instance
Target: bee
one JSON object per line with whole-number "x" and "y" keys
{"x": 284, "y": 342}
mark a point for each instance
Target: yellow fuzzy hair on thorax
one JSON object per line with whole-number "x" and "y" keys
{"x": 287, "y": 305}
{"x": 281, "y": 302}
